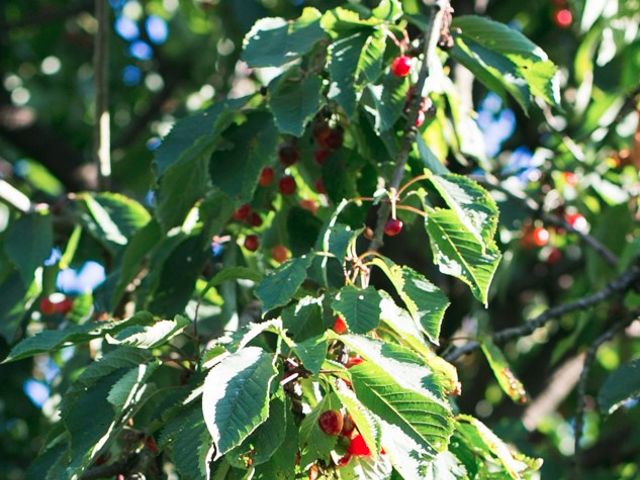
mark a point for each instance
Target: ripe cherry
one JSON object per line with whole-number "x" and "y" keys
{"x": 309, "y": 205}
{"x": 47, "y": 307}
{"x": 288, "y": 154}
{"x": 321, "y": 132}
{"x": 401, "y": 66}
{"x": 420, "y": 119}
{"x": 255, "y": 220}
{"x": 251, "y": 243}
{"x": 266, "y": 177}
{"x": 151, "y": 444}
{"x": 320, "y": 186}
{"x": 330, "y": 422}
{"x": 555, "y": 255}
{"x": 577, "y": 221}
{"x": 242, "y": 212}
{"x": 353, "y": 361}
{"x": 287, "y": 185}
{"x": 348, "y": 425}
{"x": 344, "y": 461}
{"x": 563, "y": 18}
{"x": 358, "y": 447}
{"x": 570, "y": 178}
{"x": 320, "y": 155}
{"x": 535, "y": 237}
{"x": 280, "y": 253}
{"x": 335, "y": 138}
{"x": 393, "y": 227}
{"x": 339, "y": 325}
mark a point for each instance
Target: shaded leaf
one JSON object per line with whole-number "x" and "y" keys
{"x": 359, "y": 307}
{"x": 294, "y": 100}
{"x": 279, "y": 287}
{"x": 620, "y": 386}
{"x": 28, "y": 242}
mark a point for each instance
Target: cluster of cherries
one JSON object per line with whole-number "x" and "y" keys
{"x": 334, "y": 423}
{"x": 56, "y": 304}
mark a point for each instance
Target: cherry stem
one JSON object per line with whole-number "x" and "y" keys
{"x": 395, "y": 40}
{"x": 412, "y": 209}
{"x": 424, "y": 176}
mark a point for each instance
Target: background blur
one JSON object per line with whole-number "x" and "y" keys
{"x": 169, "y": 58}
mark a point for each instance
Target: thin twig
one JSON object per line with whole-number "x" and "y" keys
{"x": 101, "y": 127}
{"x": 14, "y": 197}
{"x": 584, "y": 377}
{"x": 607, "y": 255}
{"x": 618, "y": 285}
{"x": 431, "y": 36}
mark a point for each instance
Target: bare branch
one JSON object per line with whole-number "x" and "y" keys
{"x": 620, "y": 284}
{"x": 431, "y": 36}
{"x": 101, "y": 126}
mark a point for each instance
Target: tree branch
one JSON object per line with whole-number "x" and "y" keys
{"x": 431, "y": 36}
{"x": 102, "y": 120}
{"x": 104, "y": 471}
{"x": 584, "y": 377}
{"x": 620, "y": 284}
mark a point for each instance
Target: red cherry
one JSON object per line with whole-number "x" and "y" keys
{"x": 47, "y": 307}
{"x": 540, "y": 236}
{"x": 420, "y": 119}
{"x": 321, "y": 132}
{"x": 353, "y": 361}
{"x": 393, "y": 227}
{"x": 64, "y": 306}
{"x": 288, "y": 154}
{"x": 320, "y": 155}
{"x": 344, "y": 461}
{"x": 563, "y": 18}
{"x": 358, "y": 447}
{"x": 348, "y": 425}
{"x": 255, "y": 220}
{"x": 330, "y": 422}
{"x": 320, "y": 186}
{"x": 309, "y": 205}
{"x": 151, "y": 444}
{"x": 577, "y": 221}
{"x": 401, "y": 66}
{"x": 280, "y": 253}
{"x": 251, "y": 243}
{"x": 339, "y": 326}
{"x": 335, "y": 138}
{"x": 266, "y": 177}
{"x": 287, "y": 185}
{"x": 242, "y": 212}
{"x": 570, "y": 178}
{"x": 555, "y": 255}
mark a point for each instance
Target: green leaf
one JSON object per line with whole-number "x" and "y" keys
{"x": 258, "y": 447}
{"x": 12, "y": 305}
{"x": 304, "y": 318}
{"x": 231, "y": 273}
{"x": 457, "y": 252}
{"x": 388, "y": 10}
{"x": 283, "y": 461}
{"x": 150, "y": 336}
{"x": 28, "y": 243}
{"x": 353, "y": 62}
{"x": 50, "y": 340}
{"x": 133, "y": 384}
{"x": 314, "y": 443}
{"x": 294, "y": 99}
{"x": 251, "y": 146}
{"x": 385, "y": 102}
{"x": 428, "y": 158}
{"x": 500, "y": 367}
{"x": 183, "y": 157}
{"x": 312, "y": 352}
{"x": 424, "y": 301}
{"x": 278, "y": 288}
{"x": 621, "y": 385}
{"x": 497, "y": 455}
{"x": 420, "y": 414}
{"x": 235, "y": 400}
{"x": 359, "y": 307}
{"x": 473, "y": 205}
{"x": 272, "y": 42}
{"x": 505, "y": 60}
{"x": 187, "y": 438}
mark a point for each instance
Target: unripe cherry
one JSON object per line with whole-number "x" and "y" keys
{"x": 401, "y": 66}
{"x": 330, "y": 422}
{"x": 251, "y": 243}
{"x": 287, "y": 185}
{"x": 348, "y": 425}
{"x": 309, "y": 205}
{"x": 280, "y": 253}
{"x": 266, "y": 177}
{"x": 393, "y": 227}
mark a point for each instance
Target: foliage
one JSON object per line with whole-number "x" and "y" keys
{"x": 207, "y": 330}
